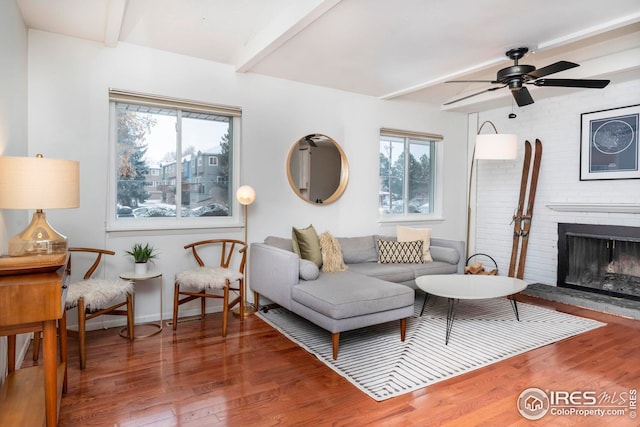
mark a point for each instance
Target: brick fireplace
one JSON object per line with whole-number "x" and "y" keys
{"x": 604, "y": 259}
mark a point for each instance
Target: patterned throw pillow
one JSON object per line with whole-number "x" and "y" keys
{"x": 394, "y": 252}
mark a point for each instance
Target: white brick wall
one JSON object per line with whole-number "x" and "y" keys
{"x": 556, "y": 122}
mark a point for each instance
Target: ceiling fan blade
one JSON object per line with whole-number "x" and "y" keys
{"x": 309, "y": 139}
{"x": 522, "y": 97}
{"x": 471, "y": 81}
{"x": 585, "y": 83}
{"x": 553, "y": 68}
{"x": 473, "y": 94}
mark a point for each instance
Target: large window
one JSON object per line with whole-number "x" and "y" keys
{"x": 407, "y": 173}
{"x": 173, "y": 161}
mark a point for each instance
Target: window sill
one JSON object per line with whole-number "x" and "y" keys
{"x": 406, "y": 218}
{"x": 173, "y": 226}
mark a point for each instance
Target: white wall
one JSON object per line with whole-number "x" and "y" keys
{"x": 68, "y": 118}
{"x": 13, "y": 131}
{"x": 13, "y": 105}
{"x": 556, "y": 122}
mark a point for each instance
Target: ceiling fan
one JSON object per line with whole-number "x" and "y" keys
{"x": 516, "y": 76}
{"x": 314, "y": 138}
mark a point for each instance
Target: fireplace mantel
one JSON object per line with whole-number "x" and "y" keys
{"x": 633, "y": 208}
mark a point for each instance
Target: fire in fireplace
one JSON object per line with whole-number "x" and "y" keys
{"x": 600, "y": 258}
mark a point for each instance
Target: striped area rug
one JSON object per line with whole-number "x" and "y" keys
{"x": 484, "y": 332}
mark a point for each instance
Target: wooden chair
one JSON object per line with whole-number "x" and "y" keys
{"x": 93, "y": 298}
{"x": 207, "y": 281}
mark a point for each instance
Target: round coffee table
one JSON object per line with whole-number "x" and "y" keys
{"x": 455, "y": 287}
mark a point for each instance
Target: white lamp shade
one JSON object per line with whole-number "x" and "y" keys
{"x": 246, "y": 195}
{"x": 39, "y": 183}
{"x": 497, "y": 146}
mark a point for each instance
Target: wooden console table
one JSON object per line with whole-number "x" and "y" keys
{"x": 33, "y": 303}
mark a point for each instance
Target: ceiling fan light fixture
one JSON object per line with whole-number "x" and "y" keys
{"x": 515, "y": 84}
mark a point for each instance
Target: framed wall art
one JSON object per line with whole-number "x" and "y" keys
{"x": 609, "y": 144}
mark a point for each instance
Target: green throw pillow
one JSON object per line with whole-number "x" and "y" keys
{"x": 306, "y": 244}
{"x": 395, "y": 252}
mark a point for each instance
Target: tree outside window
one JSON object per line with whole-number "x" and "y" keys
{"x": 407, "y": 175}
{"x": 185, "y": 186}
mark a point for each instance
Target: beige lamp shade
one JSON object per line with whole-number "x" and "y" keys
{"x": 246, "y": 195}
{"x": 491, "y": 146}
{"x": 39, "y": 183}
{"x": 497, "y": 146}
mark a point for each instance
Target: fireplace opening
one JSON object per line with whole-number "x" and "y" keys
{"x": 603, "y": 259}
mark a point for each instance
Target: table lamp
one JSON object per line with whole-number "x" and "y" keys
{"x": 38, "y": 183}
{"x": 492, "y": 146}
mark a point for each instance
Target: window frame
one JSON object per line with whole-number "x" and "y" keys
{"x": 235, "y": 219}
{"x": 437, "y": 175}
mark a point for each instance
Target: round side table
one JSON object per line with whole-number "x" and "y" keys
{"x": 140, "y": 277}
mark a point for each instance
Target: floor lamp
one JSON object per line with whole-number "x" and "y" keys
{"x": 495, "y": 146}
{"x": 245, "y": 196}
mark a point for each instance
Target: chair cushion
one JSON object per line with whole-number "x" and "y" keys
{"x": 97, "y": 293}
{"x": 203, "y": 278}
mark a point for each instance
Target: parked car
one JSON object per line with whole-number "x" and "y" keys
{"x": 214, "y": 209}
{"x": 143, "y": 211}
{"x": 124, "y": 212}
{"x": 160, "y": 212}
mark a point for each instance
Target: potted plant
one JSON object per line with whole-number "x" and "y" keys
{"x": 141, "y": 255}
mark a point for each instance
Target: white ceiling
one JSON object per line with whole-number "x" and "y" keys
{"x": 401, "y": 49}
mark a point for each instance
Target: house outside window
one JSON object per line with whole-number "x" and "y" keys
{"x": 163, "y": 175}
{"x": 408, "y": 174}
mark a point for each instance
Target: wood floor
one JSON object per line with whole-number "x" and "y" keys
{"x": 257, "y": 377}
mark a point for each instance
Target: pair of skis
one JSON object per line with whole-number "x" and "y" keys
{"x": 524, "y": 213}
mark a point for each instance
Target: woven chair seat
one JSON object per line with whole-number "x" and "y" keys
{"x": 97, "y": 293}
{"x": 202, "y": 278}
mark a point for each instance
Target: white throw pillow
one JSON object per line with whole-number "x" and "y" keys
{"x": 407, "y": 234}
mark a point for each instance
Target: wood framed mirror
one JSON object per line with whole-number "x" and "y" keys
{"x": 317, "y": 169}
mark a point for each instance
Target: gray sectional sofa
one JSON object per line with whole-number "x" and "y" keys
{"x": 366, "y": 293}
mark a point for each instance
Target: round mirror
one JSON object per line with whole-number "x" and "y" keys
{"x": 317, "y": 169}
